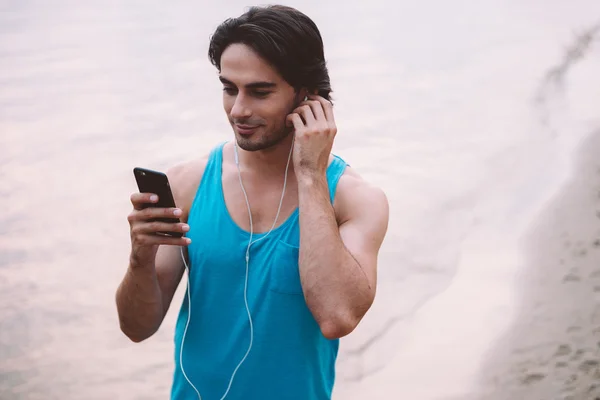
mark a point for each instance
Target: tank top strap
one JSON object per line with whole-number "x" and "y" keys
{"x": 215, "y": 161}
{"x": 211, "y": 180}
{"x": 334, "y": 173}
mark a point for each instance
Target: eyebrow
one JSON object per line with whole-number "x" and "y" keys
{"x": 252, "y": 85}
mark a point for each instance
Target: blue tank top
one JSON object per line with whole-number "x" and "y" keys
{"x": 290, "y": 358}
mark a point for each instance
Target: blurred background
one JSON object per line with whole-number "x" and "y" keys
{"x": 480, "y": 120}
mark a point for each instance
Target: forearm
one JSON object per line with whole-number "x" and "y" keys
{"x": 139, "y": 303}
{"x": 336, "y": 288}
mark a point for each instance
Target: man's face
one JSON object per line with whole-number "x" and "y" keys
{"x": 255, "y": 98}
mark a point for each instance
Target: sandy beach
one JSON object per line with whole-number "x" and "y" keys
{"x": 470, "y": 115}
{"x": 553, "y": 349}
{"x": 549, "y": 349}
{"x": 520, "y": 318}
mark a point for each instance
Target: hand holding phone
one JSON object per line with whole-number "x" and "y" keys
{"x": 155, "y": 218}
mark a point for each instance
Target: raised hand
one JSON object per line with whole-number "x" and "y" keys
{"x": 315, "y": 130}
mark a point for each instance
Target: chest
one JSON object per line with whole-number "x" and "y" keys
{"x": 267, "y": 206}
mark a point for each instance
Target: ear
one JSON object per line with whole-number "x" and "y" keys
{"x": 301, "y": 95}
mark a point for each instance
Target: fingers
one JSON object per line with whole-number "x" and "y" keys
{"x": 296, "y": 121}
{"x": 145, "y": 232}
{"x": 159, "y": 226}
{"x": 315, "y": 113}
{"x": 142, "y": 200}
{"x": 306, "y": 113}
{"x": 148, "y": 223}
{"x": 311, "y": 112}
{"x": 326, "y": 106}
{"x": 153, "y": 213}
{"x": 153, "y": 239}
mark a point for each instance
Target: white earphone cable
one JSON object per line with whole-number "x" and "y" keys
{"x": 247, "y": 257}
{"x": 186, "y": 326}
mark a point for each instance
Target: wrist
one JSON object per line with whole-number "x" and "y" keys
{"x": 310, "y": 177}
{"x": 138, "y": 264}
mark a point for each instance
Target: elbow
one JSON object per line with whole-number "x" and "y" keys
{"x": 135, "y": 330}
{"x": 342, "y": 323}
{"x": 337, "y": 328}
{"x": 133, "y": 335}
{"x": 136, "y": 338}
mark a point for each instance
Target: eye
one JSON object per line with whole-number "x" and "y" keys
{"x": 229, "y": 90}
{"x": 260, "y": 94}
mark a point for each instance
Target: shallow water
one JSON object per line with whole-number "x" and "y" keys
{"x": 466, "y": 114}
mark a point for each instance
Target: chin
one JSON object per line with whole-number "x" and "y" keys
{"x": 249, "y": 143}
{"x": 258, "y": 142}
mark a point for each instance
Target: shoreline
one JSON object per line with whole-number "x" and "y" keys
{"x": 552, "y": 349}
{"x": 523, "y": 326}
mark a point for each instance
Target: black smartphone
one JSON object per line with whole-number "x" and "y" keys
{"x": 149, "y": 181}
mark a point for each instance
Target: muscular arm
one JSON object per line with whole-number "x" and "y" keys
{"x": 146, "y": 291}
{"x": 338, "y": 260}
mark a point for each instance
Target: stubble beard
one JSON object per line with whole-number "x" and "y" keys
{"x": 266, "y": 140}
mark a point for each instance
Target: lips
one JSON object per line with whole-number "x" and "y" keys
{"x": 246, "y": 129}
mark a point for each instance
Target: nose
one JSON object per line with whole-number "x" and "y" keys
{"x": 240, "y": 109}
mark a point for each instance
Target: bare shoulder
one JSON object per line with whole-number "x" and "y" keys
{"x": 358, "y": 198}
{"x": 185, "y": 179}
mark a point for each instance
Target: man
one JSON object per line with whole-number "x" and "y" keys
{"x": 282, "y": 237}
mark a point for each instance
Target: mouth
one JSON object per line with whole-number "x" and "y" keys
{"x": 246, "y": 129}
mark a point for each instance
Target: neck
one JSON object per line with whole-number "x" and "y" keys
{"x": 268, "y": 162}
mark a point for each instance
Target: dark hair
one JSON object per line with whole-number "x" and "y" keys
{"x": 283, "y": 36}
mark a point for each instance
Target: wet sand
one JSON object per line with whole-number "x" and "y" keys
{"x": 553, "y": 349}
{"x": 519, "y": 319}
